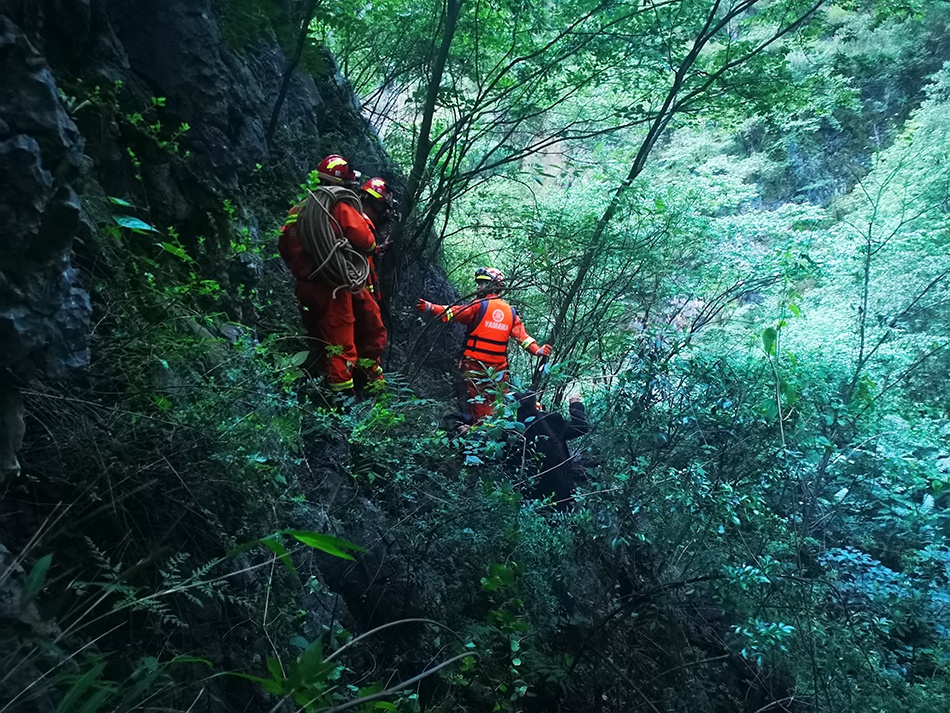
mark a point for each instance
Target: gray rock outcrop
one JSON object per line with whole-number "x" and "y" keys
{"x": 44, "y": 313}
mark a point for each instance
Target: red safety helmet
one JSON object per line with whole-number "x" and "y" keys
{"x": 490, "y": 274}
{"x": 337, "y": 169}
{"x": 377, "y": 188}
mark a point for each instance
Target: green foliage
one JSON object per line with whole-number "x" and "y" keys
{"x": 245, "y": 23}
{"x": 519, "y": 83}
{"x": 35, "y": 581}
{"x": 767, "y": 436}
{"x": 113, "y": 103}
{"x": 765, "y": 487}
{"x": 306, "y": 681}
{"x": 90, "y": 692}
{"x": 148, "y": 121}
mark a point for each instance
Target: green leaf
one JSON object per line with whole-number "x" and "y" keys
{"x": 192, "y": 659}
{"x": 769, "y": 337}
{"x": 277, "y": 547}
{"x": 142, "y": 679}
{"x": 246, "y": 676}
{"x": 133, "y": 224}
{"x": 94, "y": 703}
{"x": 325, "y": 543}
{"x": 273, "y": 667}
{"x": 35, "y": 580}
{"x": 177, "y": 251}
{"x": 299, "y": 358}
{"x": 70, "y": 701}
{"x": 163, "y": 402}
{"x": 311, "y": 668}
{"x": 273, "y": 687}
{"x": 118, "y": 201}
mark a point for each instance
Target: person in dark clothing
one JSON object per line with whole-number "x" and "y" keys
{"x": 541, "y": 457}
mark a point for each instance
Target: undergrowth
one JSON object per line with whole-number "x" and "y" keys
{"x": 744, "y": 538}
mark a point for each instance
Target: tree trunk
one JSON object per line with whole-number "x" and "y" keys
{"x": 453, "y": 9}
{"x": 663, "y": 117}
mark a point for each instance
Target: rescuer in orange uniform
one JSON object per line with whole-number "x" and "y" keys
{"x": 491, "y": 323}
{"x": 346, "y": 330}
{"x": 378, "y": 209}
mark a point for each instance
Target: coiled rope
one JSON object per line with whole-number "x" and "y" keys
{"x": 339, "y": 264}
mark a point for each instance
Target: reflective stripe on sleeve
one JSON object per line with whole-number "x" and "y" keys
{"x": 342, "y": 386}
{"x": 528, "y": 342}
{"x": 447, "y": 316}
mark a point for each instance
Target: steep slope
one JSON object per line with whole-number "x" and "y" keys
{"x": 139, "y": 195}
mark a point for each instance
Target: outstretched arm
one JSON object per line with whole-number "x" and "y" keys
{"x": 527, "y": 342}
{"x": 466, "y": 314}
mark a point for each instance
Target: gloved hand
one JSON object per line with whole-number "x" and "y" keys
{"x": 545, "y": 350}
{"x": 424, "y": 306}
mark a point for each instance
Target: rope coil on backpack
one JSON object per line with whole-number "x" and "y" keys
{"x": 338, "y": 262}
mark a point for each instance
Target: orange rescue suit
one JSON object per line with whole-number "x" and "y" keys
{"x": 492, "y": 322}
{"x": 346, "y": 331}
{"x": 373, "y": 284}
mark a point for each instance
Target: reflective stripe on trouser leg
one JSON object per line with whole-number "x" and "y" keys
{"x": 340, "y": 386}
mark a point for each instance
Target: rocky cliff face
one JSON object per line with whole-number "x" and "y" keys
{"x": 44, "y": 312}
{"x": 130, "y": 113}
{"x": 133, "y": 109}
{"x": 94, "y": 99}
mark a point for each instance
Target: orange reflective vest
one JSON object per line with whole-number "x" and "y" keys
{"x": 487, "y": 339}
{"x": 491, "y": 323}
